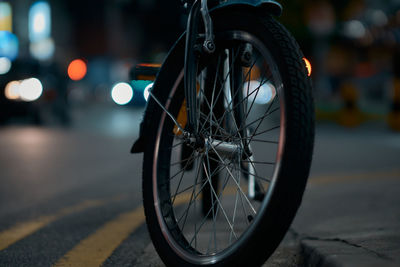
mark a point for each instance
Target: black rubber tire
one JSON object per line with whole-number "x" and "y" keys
{"x": 283, "y": 203}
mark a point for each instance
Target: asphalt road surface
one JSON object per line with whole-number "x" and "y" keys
{"x": 72, "y": 197}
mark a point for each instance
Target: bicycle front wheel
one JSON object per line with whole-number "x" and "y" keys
{"x": 256, "y": 119}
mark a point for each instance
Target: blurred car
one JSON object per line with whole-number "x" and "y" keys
{"x": 31, "y": 92}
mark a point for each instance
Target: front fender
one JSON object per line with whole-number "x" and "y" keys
{"x": 173, "y": 64}
{"x": 271, "y": 6}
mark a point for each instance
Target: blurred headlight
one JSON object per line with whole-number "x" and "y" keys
{"x": 12, "y": 90}
{"x": 122, "y": 93}
{"x": 30, "y": 89}
{"x": 27, "y": 90}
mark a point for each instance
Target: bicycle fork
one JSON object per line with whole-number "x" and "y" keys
{"x": 198, "y": 10}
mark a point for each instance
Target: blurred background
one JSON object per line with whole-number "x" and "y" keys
{"x": 69, "y": 113}
{"x": 61, "y": 57}
{"x": 58, "y": 58}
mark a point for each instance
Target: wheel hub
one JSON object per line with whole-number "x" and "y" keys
{"x": 223, "y": 148}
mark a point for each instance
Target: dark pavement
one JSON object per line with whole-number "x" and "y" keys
{"x": 71, "y": 197}
{"x": 350, "y": 214}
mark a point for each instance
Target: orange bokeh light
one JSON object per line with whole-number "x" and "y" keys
{"x": 151, "y": 65}
{"x": 308, "y": 66}
{"x": 77, "y": 69}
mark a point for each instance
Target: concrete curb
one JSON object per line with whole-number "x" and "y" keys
{"x": 334, "y": 253}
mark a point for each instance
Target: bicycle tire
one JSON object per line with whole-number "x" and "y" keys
{"x": 294, "y": 152}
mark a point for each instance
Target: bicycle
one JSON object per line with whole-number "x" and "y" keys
{"x": 227, "y": 137}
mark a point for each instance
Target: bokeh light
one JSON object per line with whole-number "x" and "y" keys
{"x": 122, "y": 93}
{"x": 5, "y": 17}
{"x": 30, "y": 89}
{"x": 8, "y": 45}
{"x": 266, "y": 91}
{"x": 5, "y": 65}
{"x": 12, "y": 90}
{"x": 39, "y": 21}
{"x": 42, "y": 50}
{"x": 146, "y": 91}
{"x": 354, "y": 29}
{"x": 308, "y": 66}
{"x": 77, "y": 69}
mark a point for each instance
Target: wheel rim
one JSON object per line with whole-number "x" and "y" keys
{"x": 177, "y": 191}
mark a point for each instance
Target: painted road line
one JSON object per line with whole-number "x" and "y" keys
{"x": 95, "y": 249}
{"x": 362, "y": 176}
{"x": 24, "y": 229}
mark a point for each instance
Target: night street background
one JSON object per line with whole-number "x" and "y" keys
{"x": 70, "y": 191}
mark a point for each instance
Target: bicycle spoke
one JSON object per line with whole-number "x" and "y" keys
{"x": 259, "y": 162}
{"x": 233, "y": 178}
{"x": 253, "y": 174}
{"x": 192, "y": 195}
{"x": 206, "y": 216}
{"x": 178, "y": 144}
{"x": 217, "y": 199}
{"x": 236, "y": 202}
{"x": 257, "y": 120}
{"x": 248, "y": 95}
{"x": 190, "y": 161}
{"x": 262, "y": 141}
{"x": 181, "y": 161}
{"x": 180, "y": 180}
{"x": 268, "y": 130}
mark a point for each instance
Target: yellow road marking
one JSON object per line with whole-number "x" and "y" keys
{"x": 95, "y": 249}
{"x": 336, "y": 178}
{"x": 23, "y": 229}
